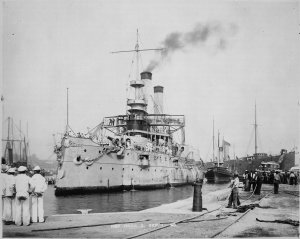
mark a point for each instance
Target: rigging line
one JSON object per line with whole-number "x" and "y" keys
{"x": 260, "y": 144}
{"x": 249, "y": 141}
{"x": 209, "y": 152}
{"x": 131, "y": 66}
{"x": 71, "y": 129}
{"x": 94, "y": 128}
{"x": 20, "y": 131}
{"x": 140, "y": 56}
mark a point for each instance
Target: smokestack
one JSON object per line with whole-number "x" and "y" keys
{"x": 158, "y": 99}
{"x": 146, "y": 76}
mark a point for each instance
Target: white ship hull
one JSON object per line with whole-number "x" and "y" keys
{"x": 86, "y": 166}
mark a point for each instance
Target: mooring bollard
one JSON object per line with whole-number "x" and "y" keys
{"x": 197, "y": 199}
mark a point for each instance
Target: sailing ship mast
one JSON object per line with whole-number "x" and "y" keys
{"x": 255, "y": 131}
{"x": 23, "y": 149}
{"x": 67, "y": 127}
{"x": 218, "y": 149}
{"x": 213, "y": 159}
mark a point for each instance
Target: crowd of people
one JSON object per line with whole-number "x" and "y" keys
{"x": 253, "y": 181}
{"x": 19, "y": 191}
{"x": 252, "y": 177}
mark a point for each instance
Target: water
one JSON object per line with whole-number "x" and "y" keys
{"x": 119, "y": 201}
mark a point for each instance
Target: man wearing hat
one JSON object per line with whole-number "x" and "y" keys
{"x": 22, "y": 198}
{"x": 258, "y": 183}
{"x": 234, "y": 196}
{"x": 9, "y": 196}
{"x": 247, "y": 180}
{"x": 254, "y": 180}
{"x": 39, "y": 186}
{"x": 276, "y": 182}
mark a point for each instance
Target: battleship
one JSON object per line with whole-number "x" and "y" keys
{"x": 133, "y": 151}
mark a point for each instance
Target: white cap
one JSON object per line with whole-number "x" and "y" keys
{"x": 36, "y": 168}
{"x": 11, "y": 170}
{"x": 4, "y": 167}
{"x": 22, "y": 169}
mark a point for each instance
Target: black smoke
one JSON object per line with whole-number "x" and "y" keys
{"x": 200, "y": 34}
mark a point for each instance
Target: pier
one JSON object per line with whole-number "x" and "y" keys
{"x": 267, "y": 215}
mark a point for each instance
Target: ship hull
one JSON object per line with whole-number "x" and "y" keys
{"x": 99, "y": 170}
{"x": 101, "y": 189}
{"x": 218, "y": 175}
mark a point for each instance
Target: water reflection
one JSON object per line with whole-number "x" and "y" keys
{"x": 119, "y": 201}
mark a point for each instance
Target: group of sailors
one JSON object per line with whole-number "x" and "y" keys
{"x": 18, "y": 190}
{"x": 255, "y": 179}
{"x": 149, "y": 146}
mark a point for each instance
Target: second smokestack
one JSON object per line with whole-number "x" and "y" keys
{"x": 158, "y": 99}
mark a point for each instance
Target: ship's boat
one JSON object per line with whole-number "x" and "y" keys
{"x": 136, "y": 150}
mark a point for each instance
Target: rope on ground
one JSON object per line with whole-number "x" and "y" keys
{"x": 286, "y": 221}
{"x": 296, "y": 194}
{"x": 251, "y": 206}
{"x": 171, "y": 224}
{"x": 204, "y": 220}
{"x": 90, "y": 225}
{"x": 251, "y": 194}
{"x": 218, "y": 233}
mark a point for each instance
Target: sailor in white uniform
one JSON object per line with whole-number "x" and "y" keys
{"x": 2, "y": 185}
{"x": 38, "y": 186}
{"x": 22, "y": 198}
{"x": 9, "y": 196}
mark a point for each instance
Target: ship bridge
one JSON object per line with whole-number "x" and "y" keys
{"x": 155, "y": 123}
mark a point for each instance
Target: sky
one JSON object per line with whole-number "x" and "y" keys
{"x": 221, "y": 58}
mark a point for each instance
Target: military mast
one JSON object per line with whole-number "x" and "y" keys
{"x": 138, "y": 105}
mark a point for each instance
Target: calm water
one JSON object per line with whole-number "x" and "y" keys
{"x": 119, "y": 201}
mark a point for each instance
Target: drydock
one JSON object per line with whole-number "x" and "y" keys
{"x": 177, "y": 220}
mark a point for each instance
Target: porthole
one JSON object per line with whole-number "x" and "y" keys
{"x": 132, "y": 169}
{"x": 99, "y": 151}
{"x": 112, "y": 168}
{"x": 100, "y": 168}
{"x": 87, "y": 167}
{"x": 123, "y": 169}
{"x": 84, "y": 150}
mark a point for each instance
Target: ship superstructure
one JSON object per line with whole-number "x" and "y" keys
{"x": 136, "y": 150}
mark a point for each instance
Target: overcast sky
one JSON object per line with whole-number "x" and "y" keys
{"x": 229, "y": 54}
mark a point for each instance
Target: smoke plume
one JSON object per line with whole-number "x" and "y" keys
{"x": 200, "y": 34}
